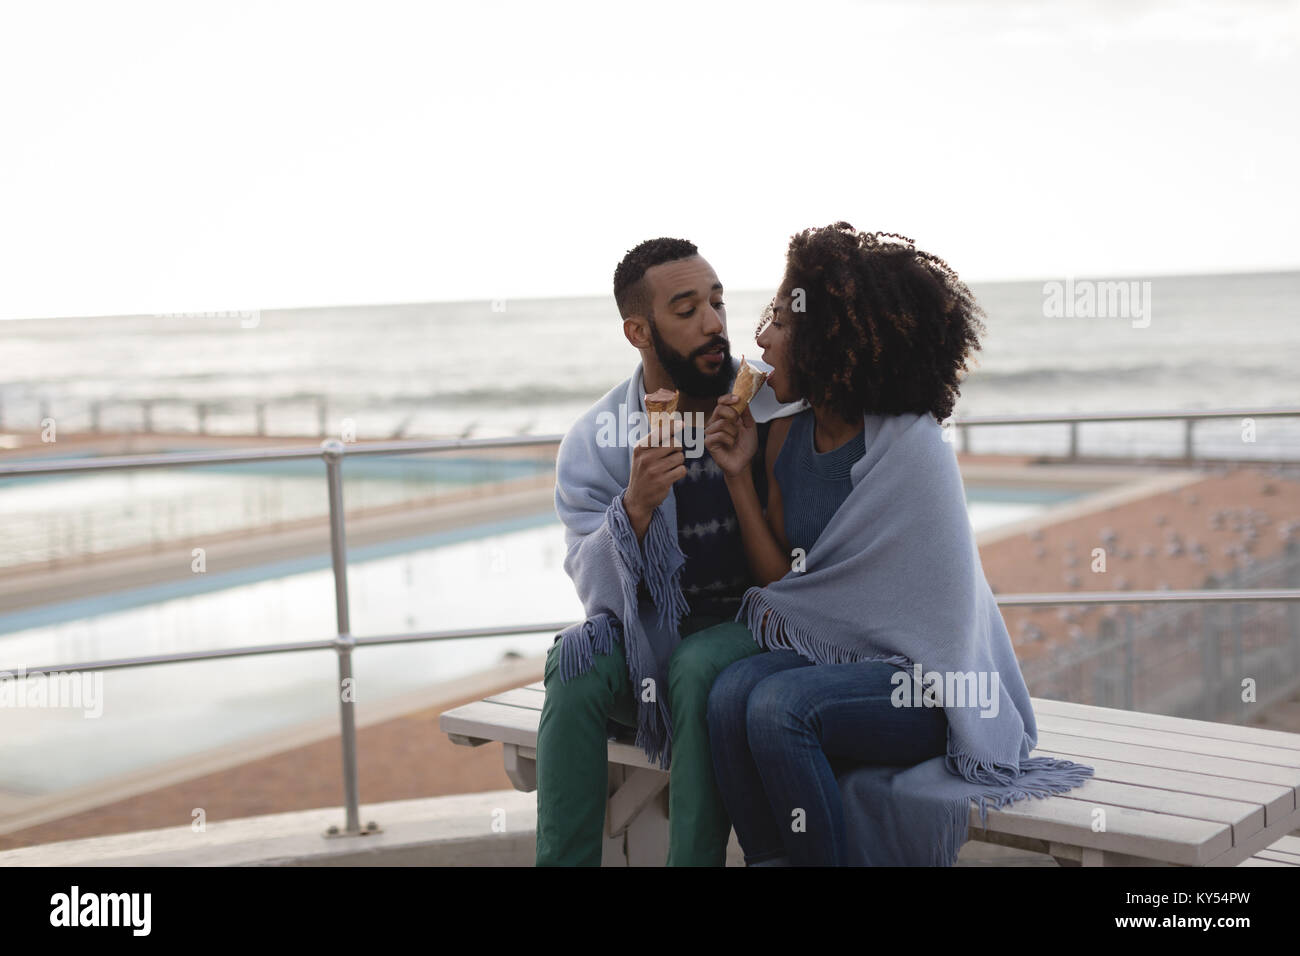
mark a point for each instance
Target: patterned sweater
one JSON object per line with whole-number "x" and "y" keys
{"x": 716, "y": 574}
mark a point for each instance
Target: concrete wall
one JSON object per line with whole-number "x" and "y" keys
{"x": 437, "y": 831}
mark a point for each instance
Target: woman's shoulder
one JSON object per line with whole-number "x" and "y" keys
{"x": 781, "y": 426}
{"x": 780, "y": 429}
{"x": 784, "y": 424}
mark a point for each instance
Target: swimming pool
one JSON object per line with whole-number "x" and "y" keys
{"x": 64, "y": 517}
{"x": 990, "y": 506}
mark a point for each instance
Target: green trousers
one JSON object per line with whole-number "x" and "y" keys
{"x": 572, "y": 766}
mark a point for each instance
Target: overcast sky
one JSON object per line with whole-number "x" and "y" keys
{"x": 173, "y": 156}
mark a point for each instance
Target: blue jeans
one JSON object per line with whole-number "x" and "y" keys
{"x": 781, "y": 728}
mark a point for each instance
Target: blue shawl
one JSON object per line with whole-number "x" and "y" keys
{"x": 605, "y": 561}
{"x": 896, "y": 577}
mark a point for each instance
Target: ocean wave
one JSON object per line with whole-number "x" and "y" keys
{"x": 525, "y": 394}
{"x": 1124, "y": 375}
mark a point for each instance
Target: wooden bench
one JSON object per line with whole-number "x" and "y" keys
{"x": 1175, "y": 791}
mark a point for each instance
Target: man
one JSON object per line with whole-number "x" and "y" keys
{"x": 655, "y": 552}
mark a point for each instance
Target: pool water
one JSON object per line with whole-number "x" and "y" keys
{"x": 125, "y": 509}
{"x": 990, "y": 506}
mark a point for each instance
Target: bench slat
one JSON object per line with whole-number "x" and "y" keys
{"x": 1173, "y": 759}
{"x": 520, "y": 697}
{"x": 1138, "y": 833}
{"x": 1282, "y": 859}
{"x": 1286, "y": 850}
{"x": 1275, "y": 800}
{"x": 1288, "y": 844}
{"x": 518, "y": 726}
{"x": 1244, "y": 818}
{"x": 1182, "y": 725}
{"x": 1235, "y": 749}
{"x": 511, "y": 725}
{"x": 1258, "y": 842}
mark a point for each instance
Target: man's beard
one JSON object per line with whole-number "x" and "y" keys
{"x": 686, "y": 374}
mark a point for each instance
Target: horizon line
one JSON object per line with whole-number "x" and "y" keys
{"x": 597, "y": 295}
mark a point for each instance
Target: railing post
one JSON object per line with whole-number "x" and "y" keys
{"x": 332, "y": 450}
{"x": 1292, "y": 608}
{"x": 1102, "y": 693}
{"x": 1128, "y": 659}
{"x": 1100, "y": 684}
{"x": 1236, "y": 610}
{"x": 1187, "y": 437}
{"x": 1211, "y": 662}
{"x": 1074, "y": 440}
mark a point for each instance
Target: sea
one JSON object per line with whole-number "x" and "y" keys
{"x": 531, "y": 366}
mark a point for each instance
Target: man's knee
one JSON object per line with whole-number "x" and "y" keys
{"x": 600, "y": 680}
{"x": 693, "y": 667}
{"x": 704, "y": 655}
{"x": 733, "y": 634}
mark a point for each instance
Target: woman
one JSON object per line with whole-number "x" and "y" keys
{"x": 868, "y": 573}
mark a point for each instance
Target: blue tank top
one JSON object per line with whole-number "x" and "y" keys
{"x": 813, "y": 484}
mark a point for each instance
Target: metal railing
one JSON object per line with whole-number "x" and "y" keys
{"x": 332, "y": 452}
{"x": 204, "y": 410}
{"x": 302, "y": 416}
{"x": 1169, "y": 659}
{"x": 1188, "y": 418}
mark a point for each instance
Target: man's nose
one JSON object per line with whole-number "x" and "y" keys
{"x": 713, "y": 322}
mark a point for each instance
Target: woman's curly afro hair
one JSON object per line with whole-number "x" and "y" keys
{"x": 885, "y": 328}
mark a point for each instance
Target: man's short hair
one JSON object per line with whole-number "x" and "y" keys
{"x": 630, "y": 290}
